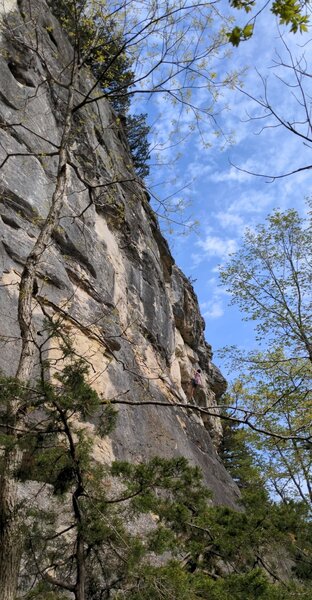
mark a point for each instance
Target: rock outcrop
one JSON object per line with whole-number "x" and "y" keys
{"x": 108, "y": 272}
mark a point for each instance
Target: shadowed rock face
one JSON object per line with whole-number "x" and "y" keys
{"x": 126, "y": 306}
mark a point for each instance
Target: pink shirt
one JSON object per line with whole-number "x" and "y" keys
{"x": 197, "y": 378}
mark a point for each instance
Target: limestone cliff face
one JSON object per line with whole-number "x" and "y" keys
{"x": 108, "y": 272}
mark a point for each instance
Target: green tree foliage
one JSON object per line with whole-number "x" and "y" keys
{"x": 238, "y": 456}
{"x": 284, "y": 524}
{"x": 172, "y": 582}
{"x": 95, "y": 530}
{"x": 270, "y": 280}
{"x": 100, "y": 46}
{"x": 81, "y": 526}
{"x": 277, "y": 395}
{"x": 81, "y": 519}
{"x": 167, "y": 49}
{"x": 292, "y": 13}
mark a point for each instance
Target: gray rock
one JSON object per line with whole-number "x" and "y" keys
{"x": 128, "y": 309}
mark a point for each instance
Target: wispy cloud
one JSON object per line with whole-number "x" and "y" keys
{"x": 230, "y": 220}
{"x": 213, "y": 309}
{"x": 214, "y": 245}
{"x": 226, "y": 200}
{"x": 232, "y": 174}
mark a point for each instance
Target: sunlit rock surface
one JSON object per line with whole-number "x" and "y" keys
{"x": 108, "y": 271}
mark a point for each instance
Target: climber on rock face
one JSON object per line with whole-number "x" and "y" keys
{"x": 195, "y": 382}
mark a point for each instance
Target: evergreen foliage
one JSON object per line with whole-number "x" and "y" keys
{"x": 139, "y": 531}
{"x": 238, "y": 456}
{"x": 268, "y": 524}
{"x": 137, "y": 132}
{"x": 111, "y": 522}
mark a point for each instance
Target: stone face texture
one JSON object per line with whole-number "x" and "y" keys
{"x": 108, "y": 271}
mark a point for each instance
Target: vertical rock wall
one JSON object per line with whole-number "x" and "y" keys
{"x": 108, "y": 272}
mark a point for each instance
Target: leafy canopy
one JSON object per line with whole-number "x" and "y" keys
{"x": 292, "y": 13}
{"x": 269, "y": 278}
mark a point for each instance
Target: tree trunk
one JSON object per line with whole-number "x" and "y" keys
{"x": 81, "y": 569}
{"x": 10, "y": 531}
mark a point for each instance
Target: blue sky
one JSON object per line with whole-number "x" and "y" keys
{"x": 221, "y": 198}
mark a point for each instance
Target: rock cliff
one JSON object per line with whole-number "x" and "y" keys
{"x": 108, "y": 272}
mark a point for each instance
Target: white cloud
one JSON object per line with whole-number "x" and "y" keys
{"x": 252, "y": 201}
{"x": 196, "y": 169}
{"x": 216, "y": 269}
{"x": 214, "y": 310}
{"x": 230, "y": 220}
{"x": 214, "y": 307}
{"x": 232, "y": 174}
{"x": 215, "y": 246}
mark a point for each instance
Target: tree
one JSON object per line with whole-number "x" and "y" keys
{"x": 278, "y": 517}
{"x": 175, "y": 64}
{"x": 168, "y": 49}
{"x": 270, "y": 278}
{"x": 82, "y": 532}
{"x": 90, "y": 549}
{"x": 82, "y": 529}
{"x": 238, "y": 457}
{"x": 137, "y": 132}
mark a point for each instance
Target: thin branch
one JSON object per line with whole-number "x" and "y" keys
{"x": 245, "y": 421}
{"x": 271, "y": 177}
